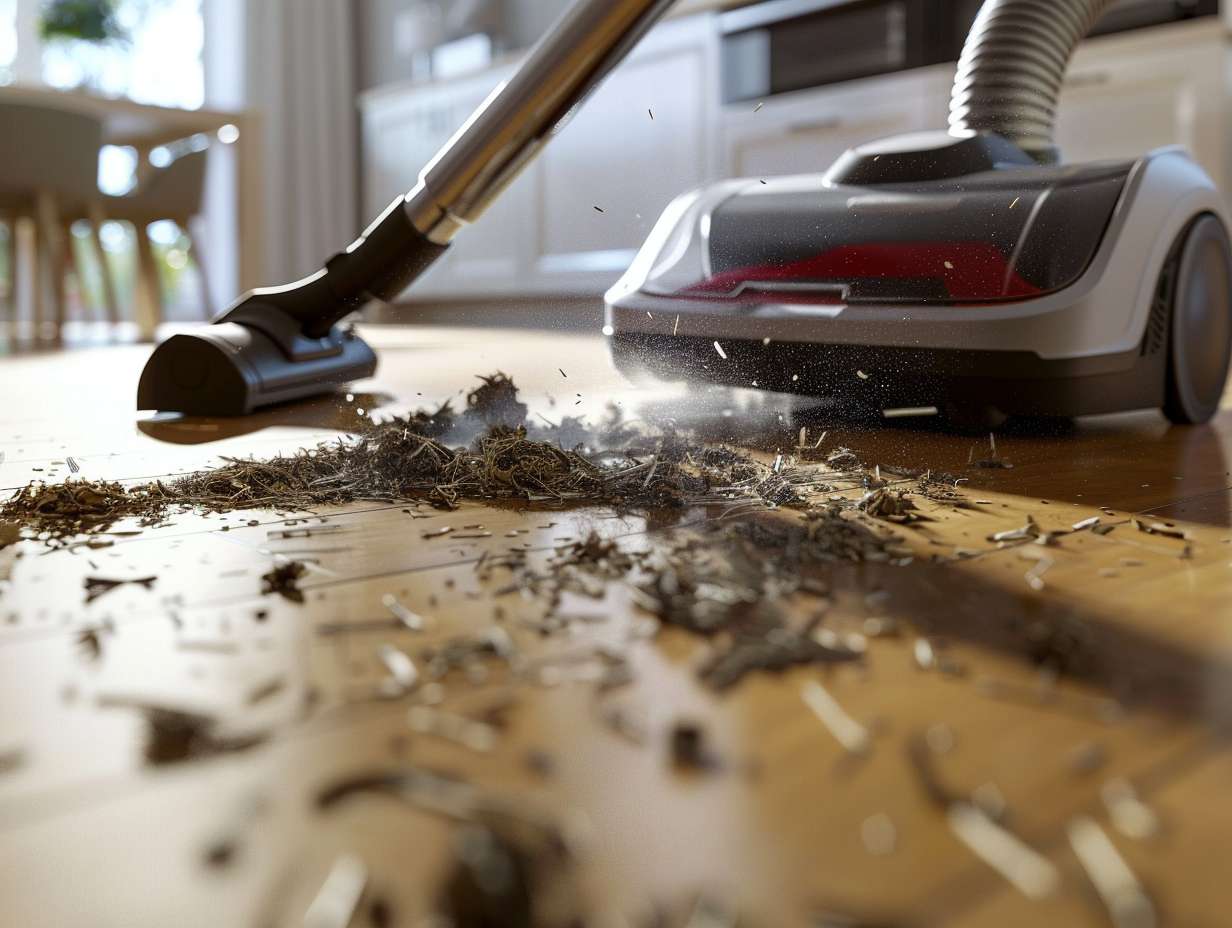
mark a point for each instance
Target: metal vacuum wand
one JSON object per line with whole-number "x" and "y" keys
{"x": 281, "y": 343}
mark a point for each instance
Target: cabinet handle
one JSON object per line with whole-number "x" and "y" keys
{"x": 1088, "y": 79}
{"x": 816, "y": 125}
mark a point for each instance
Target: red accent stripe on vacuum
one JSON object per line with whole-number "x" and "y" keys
{"x": 949, "y": 272}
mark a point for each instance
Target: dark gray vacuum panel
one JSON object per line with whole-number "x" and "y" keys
{"x": 946, "y": 241}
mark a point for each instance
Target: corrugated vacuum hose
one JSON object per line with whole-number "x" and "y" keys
{"x": 1012, "y": 67}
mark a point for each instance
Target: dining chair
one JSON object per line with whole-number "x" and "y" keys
{"x": 174, "y": 193}
{"x": 50, "y": 171}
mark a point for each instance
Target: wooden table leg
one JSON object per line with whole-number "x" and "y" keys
{"x": 38, "y": 292}
{"x": 49, "y": 288}
{"x": 25, "y": 276}
{"x": 69, "y": 269}
{"x": 148, "y": 296}
{"x": 107, "y": 281}
{"x": 10, "y": 294}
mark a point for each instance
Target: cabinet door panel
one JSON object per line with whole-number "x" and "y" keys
{"x": 1126, "y": 95}
{"x": 490, "y": 256}
{"x": 1119, "y": 120}
{"x": 812, "y": 146}
{"x": 804, "y": 132}
{"x": 400, "y": 136}
{"x": 613, "y": 155}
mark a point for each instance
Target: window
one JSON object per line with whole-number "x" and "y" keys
{"x": 8, "y": 39}
{"x": 159, "y": 62}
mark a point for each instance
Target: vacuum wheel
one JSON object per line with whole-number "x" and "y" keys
{"x": 1200, "y": 329}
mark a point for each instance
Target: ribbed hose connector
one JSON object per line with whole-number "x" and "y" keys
{"x": 1012, "y": 67}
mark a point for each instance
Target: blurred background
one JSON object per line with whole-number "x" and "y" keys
{"x": 225, "y": 144}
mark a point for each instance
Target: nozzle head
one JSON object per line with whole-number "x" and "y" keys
{"x": 230, "y": 369}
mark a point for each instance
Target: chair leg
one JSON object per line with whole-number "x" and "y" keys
{"x": 110, "y": 303}
{"x": 149, "y": 300}
{"x": 70, "y": 270}
{"x": 50, "y": 278}
{"x": 24, "y": 267}
{"x": 38, "y": 293}
{"x": 10, "y": 293}
{"x": 194, "y": 247}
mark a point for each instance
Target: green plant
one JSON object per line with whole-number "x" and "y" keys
{"x": 87, "y": 20}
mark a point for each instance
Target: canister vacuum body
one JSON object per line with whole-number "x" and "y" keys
{"x": 969, "y": 272}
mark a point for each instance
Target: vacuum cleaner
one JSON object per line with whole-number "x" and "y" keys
{"x": 969, "y": 272}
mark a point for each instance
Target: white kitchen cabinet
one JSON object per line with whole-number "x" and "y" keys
{"x": 804, "y": 132}
{"x": 402, "y": 130}
{"x": 490, "y": 256}
{"x": 543, "y": 235}
{"x": 1126, "y": 94}
{"x": 615, "y": 156}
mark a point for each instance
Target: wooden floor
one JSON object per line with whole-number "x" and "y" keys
{"x": 97, "y": 829}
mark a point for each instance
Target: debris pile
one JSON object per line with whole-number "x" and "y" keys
{"x": 736, "y": 581}
{"x": 405, "y": 458}
{"x": 79, "y": 507}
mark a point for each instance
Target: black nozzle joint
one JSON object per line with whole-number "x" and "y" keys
{"x": 378, "y": 265}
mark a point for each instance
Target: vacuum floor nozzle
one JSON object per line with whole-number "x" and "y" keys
{"x": 230, "y": 369}
{"x": 283, "y": 343}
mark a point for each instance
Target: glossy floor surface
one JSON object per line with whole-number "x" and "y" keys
{"x": 950, "y": 777}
